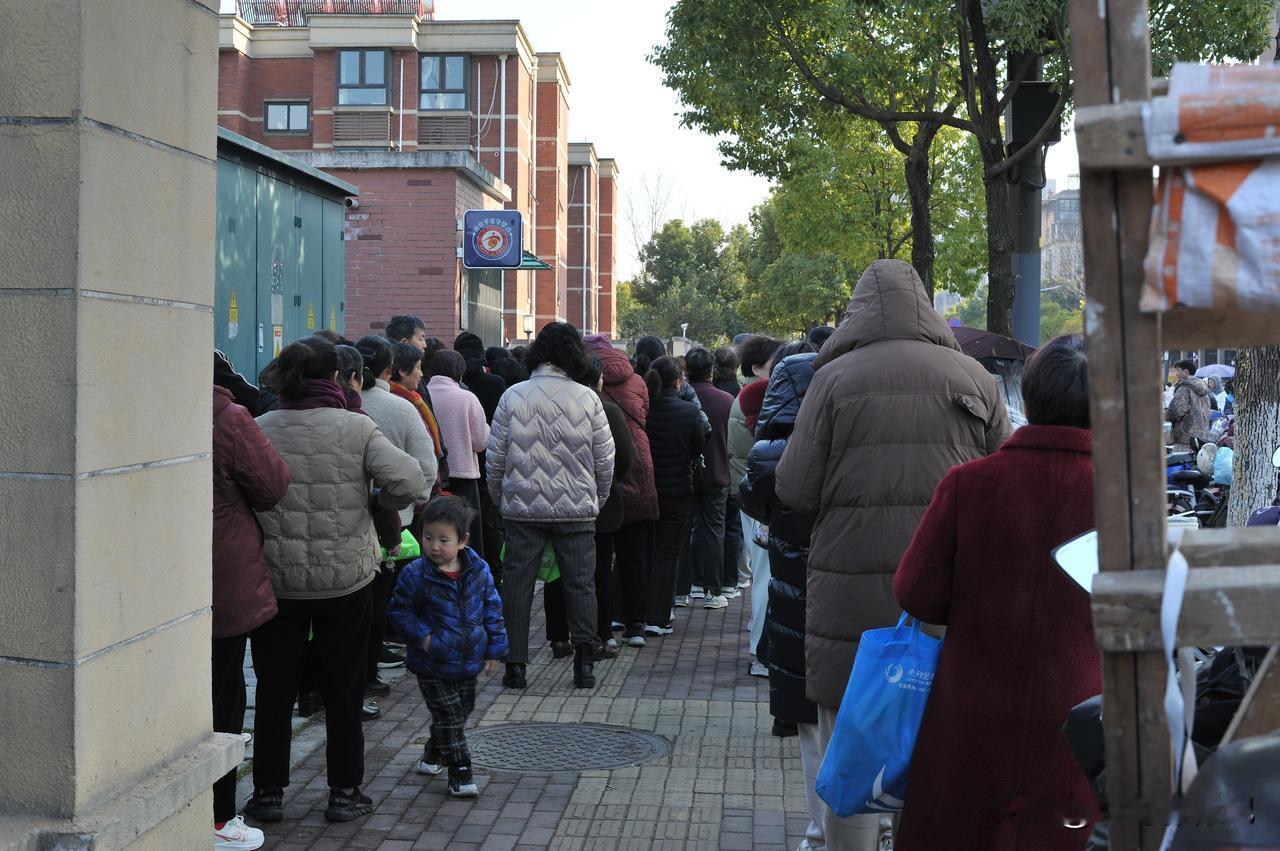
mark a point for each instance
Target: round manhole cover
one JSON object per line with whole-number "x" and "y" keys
{"x": 562, "y": 747}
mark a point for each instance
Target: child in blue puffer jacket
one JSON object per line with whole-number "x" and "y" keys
{"x": 446, "y": 606}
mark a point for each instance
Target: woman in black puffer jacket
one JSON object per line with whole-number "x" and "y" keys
{"x": 676, "y": 440}
{"x": 782, "y": 646}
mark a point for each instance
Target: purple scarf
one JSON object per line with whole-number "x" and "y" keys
{"x": 321, "y": 393}
{"x": 354, "y": 401}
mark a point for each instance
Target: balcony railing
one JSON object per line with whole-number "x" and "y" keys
{"x": 293, "y": 13}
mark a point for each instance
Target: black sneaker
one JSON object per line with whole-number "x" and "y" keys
{"x": 461, "y": 783}
{"x": 344, "y": 807}
{"x": 390, "y": 658}
{"x": 377, "y": 688}
{"x": 514, "y": 678}
{"x": 266, "y": 805}
{"x": 634, "y": 635}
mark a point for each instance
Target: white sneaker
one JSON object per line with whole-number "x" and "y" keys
{"x": 238, "y": 836}
{"x": 731, "y": 593}
{"x": 682, "y": 602}
{"x": 744, "y": 584}
{"x": 654, "y": 629}
{"x": 806, "y": 845}
{"x": 716, "y": 602}
{"x": 431, "y": 768}
{"x": 758, "y": 669}
{"x": 696, "y": 592}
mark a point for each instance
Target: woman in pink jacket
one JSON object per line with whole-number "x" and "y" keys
{"x": 463, "y": 429}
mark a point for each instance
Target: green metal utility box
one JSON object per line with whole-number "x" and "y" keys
{"x": 280, "y": 259}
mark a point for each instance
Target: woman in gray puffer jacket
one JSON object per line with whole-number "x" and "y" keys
{"x": 322, "y": 554}
{"x": 550, "y": 468}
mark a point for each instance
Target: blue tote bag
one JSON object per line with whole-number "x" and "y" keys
{"x": 865, "y": 767}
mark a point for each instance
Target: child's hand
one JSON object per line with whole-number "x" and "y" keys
{"x": 426, "y": 642}
{"x": 491, "y": 666}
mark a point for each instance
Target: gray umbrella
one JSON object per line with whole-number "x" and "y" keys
{"x": 1216, "y": 370}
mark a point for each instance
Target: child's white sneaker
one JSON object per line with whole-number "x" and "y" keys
{"x": 237, "y": 836}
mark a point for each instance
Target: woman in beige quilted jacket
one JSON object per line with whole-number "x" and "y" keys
{"x": 321, "y": 553}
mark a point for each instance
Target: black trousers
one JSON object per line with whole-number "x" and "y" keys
{"x": 732, "y": 541}
{"x": 669, "y": 532}
{"x": 633, "y": 543}
{"x": 491, "y": 520}
{"x": 340, "y": 626}
{"x": 557, "y": 611}
{"x": 468, "y": 490}
{"x": 380, "y": 595}
{"x": 228, "y": 713}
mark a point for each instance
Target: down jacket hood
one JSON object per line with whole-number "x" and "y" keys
{"x": 889, "y": 303}
{"x": 1195, "y": 385}
{"x": 627, "y": 390}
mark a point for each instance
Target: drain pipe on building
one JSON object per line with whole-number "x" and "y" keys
{"x": 401, "y": 146}
{"x": 502, "y": 175}
{"x": 586, "y": 193}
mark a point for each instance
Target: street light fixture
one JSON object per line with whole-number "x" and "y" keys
{"x": 528, "y": 325}
{"x": 684, "y": 329}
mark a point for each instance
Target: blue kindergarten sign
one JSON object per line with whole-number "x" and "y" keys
{"x": 491, "y": 239}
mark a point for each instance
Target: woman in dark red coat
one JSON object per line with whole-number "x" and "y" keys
{"x": 627, "y": 390}
{"x": 248, "y": 475}
{"x": 991, "y": 769}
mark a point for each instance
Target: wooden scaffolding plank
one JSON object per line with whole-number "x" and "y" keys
{"x": 1112, "y": 136}
{"x": 1242, "y": 546}
{"x": 1212, "y": 329}
{"x": 1222, "y": 606}
{"x": 1112, "y": 62}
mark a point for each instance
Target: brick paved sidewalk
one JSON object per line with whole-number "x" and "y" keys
{"x": 727, "y": 782}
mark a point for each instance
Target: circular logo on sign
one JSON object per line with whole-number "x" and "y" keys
{"x": 492, "y": 241}
{"x": 893, "y": 673}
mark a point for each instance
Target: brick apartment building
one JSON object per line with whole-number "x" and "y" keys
{"x": 430, "y": 118}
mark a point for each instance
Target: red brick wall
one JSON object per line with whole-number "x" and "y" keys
{"x": 582, "y": 187}
{"x": 552, "y": 184}
{"x": 402, "y": 247}
{"x": 244, "y": 85}
{"x": 608, "y": 261}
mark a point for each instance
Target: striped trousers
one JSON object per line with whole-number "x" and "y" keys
{"x": 575, "y": 548}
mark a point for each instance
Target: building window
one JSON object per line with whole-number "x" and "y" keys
{"x": 288, "y": 117}
{"x": 444, "y": 82}
{"x": 362, "y": 77}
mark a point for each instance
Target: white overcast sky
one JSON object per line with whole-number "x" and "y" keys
{"x": 618, "y": 102}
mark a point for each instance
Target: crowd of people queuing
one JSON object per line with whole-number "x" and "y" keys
{"x": 825, "y": 476}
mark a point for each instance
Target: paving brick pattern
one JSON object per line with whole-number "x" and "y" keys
{"x": 727, "y": 783}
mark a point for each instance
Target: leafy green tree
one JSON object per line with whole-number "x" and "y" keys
{"x": 768, "y": 72}
{"x": 689, "y": 274}
{"x": 797, "y": 292}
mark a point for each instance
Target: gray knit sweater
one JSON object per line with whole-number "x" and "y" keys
{"x": 403, "y": 426}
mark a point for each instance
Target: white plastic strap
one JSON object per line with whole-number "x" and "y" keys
{"x": 1179, "y": 701}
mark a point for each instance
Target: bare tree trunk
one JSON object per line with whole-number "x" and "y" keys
{"x": 920, "y": 188}
{"x": 1257, "y": 406}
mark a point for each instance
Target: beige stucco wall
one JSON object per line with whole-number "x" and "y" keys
{"x": 108, "y": 150}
